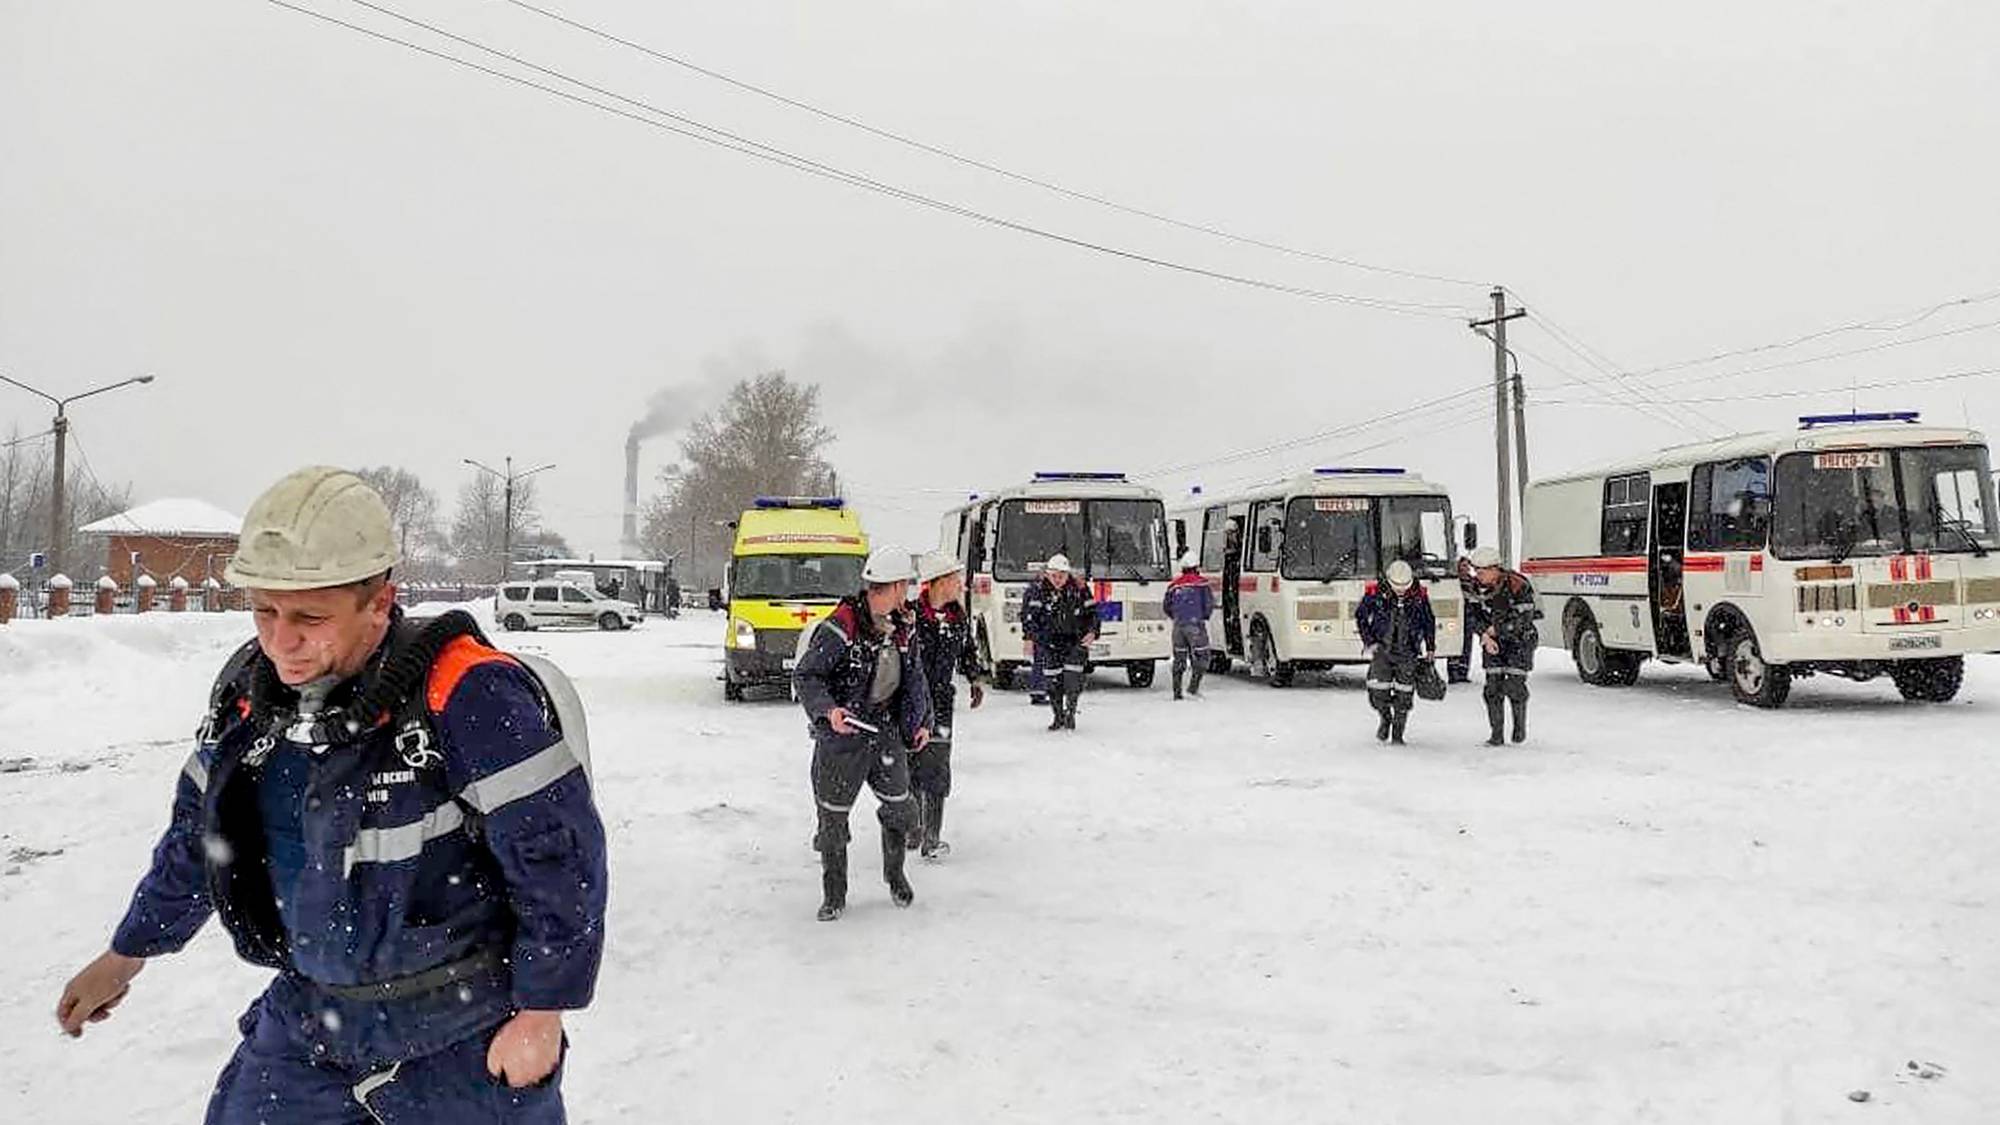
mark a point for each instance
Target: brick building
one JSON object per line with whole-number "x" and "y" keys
{"x": 170, "y": 539}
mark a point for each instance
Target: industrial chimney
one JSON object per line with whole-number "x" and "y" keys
{"x": 630, "y": 539}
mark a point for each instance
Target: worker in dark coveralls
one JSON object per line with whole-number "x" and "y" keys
{"x": 383, "y": 812}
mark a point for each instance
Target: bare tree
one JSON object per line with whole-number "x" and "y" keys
{"x": 479, "y": 526}
{"x": 413, "y": 510}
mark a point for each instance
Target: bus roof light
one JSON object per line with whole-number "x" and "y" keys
{"x": 1857, "y": 418}
{"x": 1119, "y": 477}
{"x": 1359, "y": 471}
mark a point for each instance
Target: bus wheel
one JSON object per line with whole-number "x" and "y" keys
{"x": 1139, "y": 674}
{"x": 1929, "y": 681}
{"x": 1751, "y": 679}
{"x": 1003, "y": 676}
{"x": 1586, "y": 647}
{"x": 731, "y": 690}
{"x": 1264, "y": 657}
{"x": 1219, "y": 663}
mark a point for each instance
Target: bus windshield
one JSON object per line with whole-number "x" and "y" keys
{"x": 1110, "y": 539}
{"x": 795, "y": 577}
{"x": 1884, "y": 502}
{"x": 1417, "y": 530}
{"x": 1329, "y": 537}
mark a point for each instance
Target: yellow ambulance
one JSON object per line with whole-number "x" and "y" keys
{"x": 793, "y": 560}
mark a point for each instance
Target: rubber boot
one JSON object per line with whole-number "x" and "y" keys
{"x": 912, "y": 839}
{"x": 1057, "y": 701}
{"x": 1397, "y": 725}
{"x": 934, "y": 848}
{"x": 1496, "y": 721}
{"x": 1380, "y": 701}
{"x": 893, "y": 850}
{"x": 1180, "y": 675}
{"x": 1520, "y": 720}
{"x": 833, "y": 881}
{"x": 1194, "y": 677}
{"x": 1073, "y": 690}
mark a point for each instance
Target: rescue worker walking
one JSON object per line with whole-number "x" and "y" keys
{"x": 1400, "y": 632}
{"x": 1188, "y": 603}
{"x": 1059, "y": 616}
{"x": 1501, "y": 612}
{"x": 944, "y": 635}
{"x": 861, "y": 682}
{"x": 388, "y": 814}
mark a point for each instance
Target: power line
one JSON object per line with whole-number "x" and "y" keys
{"x": 1809, "y": 360}
{"x": 720, "y": 138}
{"x": 973, "y": 162}
{"x": 1310, "y": 439}
{"x": 1603, "y": 364}
{"x": 1845, "y": 389}
{"x": 1907, "y": 320}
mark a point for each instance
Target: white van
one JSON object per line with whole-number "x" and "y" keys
{"x": 534, "y": 605}
{"x": 1290, "y": 563}
{"x": 1858, "y": 545}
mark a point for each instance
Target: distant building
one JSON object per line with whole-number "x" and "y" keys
{"x": 168, "y": 539}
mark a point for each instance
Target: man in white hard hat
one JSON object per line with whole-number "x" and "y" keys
{"x": 944, "y": 633}
{"x": 382, "y": 811}
{"x": 862, "y": 684}
{"x": 1188, "y": 603}
{"x": 1059, "y": 620}
{"x": 1500, "y": 611}
{"x": 1400, "y": 631}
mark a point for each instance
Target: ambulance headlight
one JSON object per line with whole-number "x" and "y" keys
{"x": 745, "y": 636}
{"x": 1826, "y": 622}
{"x": 1840, "y": 621}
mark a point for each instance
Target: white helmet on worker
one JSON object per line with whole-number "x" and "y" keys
{"x": 1190, "y": 561}
{"x": 1399, "y": 576}
{"x": 887, "y": 566}
{"x": 318, "y": 528}
{"x": 936, "y": 565}
{"x": 1058, "y": 564}
{"x": 1485, "y": 558}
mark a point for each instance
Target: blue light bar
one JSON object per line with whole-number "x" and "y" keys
{"x": 1362, "y": 471}
{"x": 1809, "y": 421}
{"x": 830, "y": 502}
{"x": 1080, "y": 476}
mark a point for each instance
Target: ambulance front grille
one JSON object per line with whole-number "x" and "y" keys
{"x": 1447, "y": 611}
{"x": 1889, "y": 595}
{"x": 1982, "y": 590}
{"x": 1145, "y": 611}
{"x": 1826, "y": 598}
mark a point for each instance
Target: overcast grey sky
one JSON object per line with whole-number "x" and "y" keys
{"x": 331, "y": 249}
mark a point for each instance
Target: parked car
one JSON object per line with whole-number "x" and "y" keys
{"x": 533, "y": 605}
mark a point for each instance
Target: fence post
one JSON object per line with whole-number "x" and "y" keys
{"x": 144, "y": 590}
{"x": 59, "y": 594}
{"x": 10, "y": 597}
{"x": 177, "y": 595}
{"x": 107, "y": 596}
{"x": 211, "y": 595}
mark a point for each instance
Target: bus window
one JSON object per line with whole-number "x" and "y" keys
{"x": 1729, "y": 505}
{"x": 1267, "y": 522}
{"x": 1627, "y": 501}
{"x": 1214, "y": 539}
{"x": 1329, "y": 537}
{"x": 1417, "y": 529}
{"x": 1948, "y": 499}
{"x": 1836, "y": 505}
{"x": 975, "y": 543}
{"x": 1128, "y": 540}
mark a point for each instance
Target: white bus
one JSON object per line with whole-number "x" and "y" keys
{"x": 1858, "y": 545}
{"x": 1115, "y": 534}
{"x": 1290, "y": 562}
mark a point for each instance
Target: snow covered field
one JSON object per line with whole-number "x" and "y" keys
{"x": 1665, "y": 909}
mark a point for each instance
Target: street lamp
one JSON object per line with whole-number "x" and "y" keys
{"x": 61, "y": 430}
{"x": 508, "y": 478}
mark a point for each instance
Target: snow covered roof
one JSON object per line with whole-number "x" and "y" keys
{"x": 196, "y": 518}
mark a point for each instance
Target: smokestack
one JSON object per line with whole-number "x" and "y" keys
{"x": 631, "y": 537}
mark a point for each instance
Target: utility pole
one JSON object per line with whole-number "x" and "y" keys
{"x": 1520, "y": 442}
{"x": 1501, "y": 470}
{"x": 60, "y": 428}
{"x": 507, "y": 479}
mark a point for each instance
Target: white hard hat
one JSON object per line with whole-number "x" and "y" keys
{"x": 1484, "y": 557}
{"x": 1058, "y": 564}
{"x": 886, "y": 565}
{"x": 1399, "y": 575}
{"x": 1190, "y": 561}
{"x": 317, "y": 528}
{"x": 936, "y": 565}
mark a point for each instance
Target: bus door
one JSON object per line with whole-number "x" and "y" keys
{"x": 1669, "y": 595}
{"x": 1232, "y": 593}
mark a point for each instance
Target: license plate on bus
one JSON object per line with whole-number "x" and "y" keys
{"x": 1099, "y": 652}
{"x": 1914, "y": 644}
{"x": 789, "y": 664}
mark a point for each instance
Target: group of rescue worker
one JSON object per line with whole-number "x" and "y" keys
{"x": 399, "y": 819}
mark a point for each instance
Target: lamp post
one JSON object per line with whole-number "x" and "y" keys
{"x": 507, "y": 523}
{"x": 60, "y": 428}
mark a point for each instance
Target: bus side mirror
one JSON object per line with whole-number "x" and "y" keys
{"x": 1471, "y": 536}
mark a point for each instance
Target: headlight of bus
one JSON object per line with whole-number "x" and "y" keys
{"x": 746, "y": 636}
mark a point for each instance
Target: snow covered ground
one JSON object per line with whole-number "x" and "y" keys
{"x": 1665, "y": 909}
